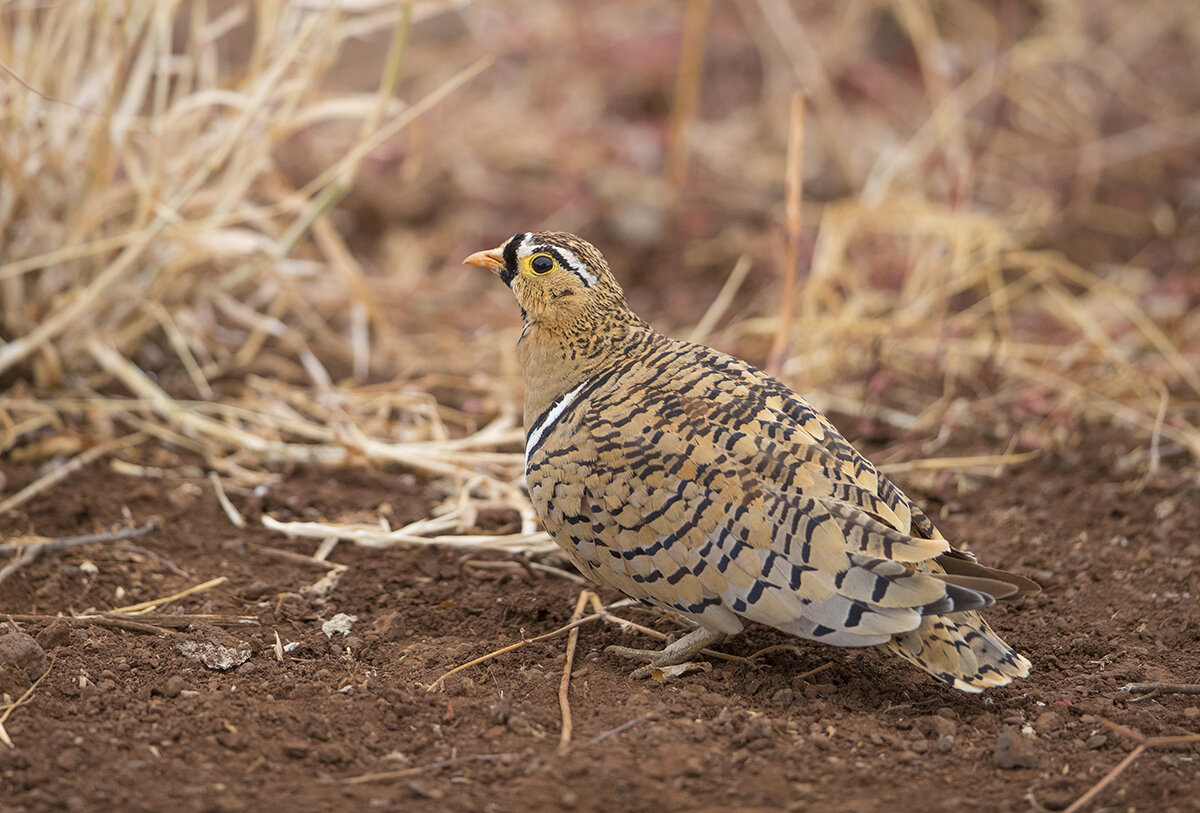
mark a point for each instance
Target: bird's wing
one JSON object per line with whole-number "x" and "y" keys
{"x": 845, "y": 463}
{"x": 698, "y": 492}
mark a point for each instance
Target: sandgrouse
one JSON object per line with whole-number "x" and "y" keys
{"x": 692, "y": 481}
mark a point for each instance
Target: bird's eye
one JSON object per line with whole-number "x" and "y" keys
{"x": 542, "y": 264}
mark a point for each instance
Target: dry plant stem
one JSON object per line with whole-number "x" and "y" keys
{"x": 1144, "y": 743}
{"x": 125, "y": 624}
{"x": 182, "y": 621}
{"x": 162, "y": 561}
{"x": 792, "y": 223}
{"x": 1085, "y": 799}
{"x": 526, "y": 566}
{"x": 623, "y": 727}
{"x": 1154, "y": 689}
{"x": 85, "y": 620}
{"x": 959, "y": 463}
{"x": 401, "y": 121}
{"x": 70, "y": 467}
{"x": 16, "y": 564}
{"x": 154, "y": 604}
{"x": 24, "y": 698}
{"x": 812, "y": 672}
{"x": 17, "y": 78}
{"x": 421, "y": 769}
{"x": 234, "y": 515}
{"x": 296, "y": 558}
{"x": 347, "y": 169}
{"x": 564, "y": 704}
{"x": 78, "y": 304}
{"x": 587, "y": 619}
{"x": 724, "y": 299}
{"x": 687, "y": 90}
{"x": 373, "y": 537}
{"x": 31, "y": 551}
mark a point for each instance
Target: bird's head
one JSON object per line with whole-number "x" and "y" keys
{"x": 558, "y": 279}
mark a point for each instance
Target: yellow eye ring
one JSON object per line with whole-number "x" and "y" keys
{"x": 540, "y": 264}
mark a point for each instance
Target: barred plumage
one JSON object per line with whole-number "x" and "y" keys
{"x": 692, "y": 481}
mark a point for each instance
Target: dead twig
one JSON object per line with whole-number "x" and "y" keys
{"x": 564, "y": 704}
{"x": 70, "y": 467}
{"x": 523, "y": 564}
{"x": 150, "y": 623}
{"x": 431, "y": 767}
{"x": 295, "y": 558}
{"x": 626, "y": 726}
{"x": 125, "y": 624}
{"x": 16, "y": 564}
{"x": 154, "y": 604}
{"x": 687, "y": 90}
{"x": 183, "y": 621}
{"x": 1144, "y": 744}
{"x": 793, "y": 220}
{"x": 85, "y": 620}
{"x": 965, "y": 463}
{"x": 234, "y": 515}
{"x": 159, "y": 559}
{"x": 24, "y": 698}
{"x": 28, "y": 553}
{"x": 1155, "y": 689}
{"x": 587, "y": 619}
{"x": 64, "y": 542}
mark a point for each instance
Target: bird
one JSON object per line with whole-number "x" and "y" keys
{"x": 694, "y": 482}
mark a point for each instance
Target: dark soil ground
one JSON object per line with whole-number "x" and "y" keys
{"x": 124, "y": 720}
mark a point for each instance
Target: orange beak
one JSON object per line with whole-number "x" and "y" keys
{"x": 492, "y": 259}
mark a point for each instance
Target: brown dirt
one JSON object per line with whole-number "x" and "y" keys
{"x": 151, "y": 729}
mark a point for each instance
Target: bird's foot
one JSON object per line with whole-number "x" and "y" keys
{"x": 675, "y": 656}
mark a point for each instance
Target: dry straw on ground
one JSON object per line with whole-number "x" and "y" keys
{"x": 168, "y": 275}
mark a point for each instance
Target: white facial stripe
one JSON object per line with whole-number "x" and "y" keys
{"x": 581, "y": 270}
{"x": 550, "y": 417}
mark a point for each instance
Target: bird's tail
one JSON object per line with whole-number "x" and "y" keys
{"x": 962, "y": 650}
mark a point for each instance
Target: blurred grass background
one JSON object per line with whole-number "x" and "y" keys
{"x": 235, "y": 227}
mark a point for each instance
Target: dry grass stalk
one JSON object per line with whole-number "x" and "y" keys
{"x": 623, "y": 727}
{"x": 152, "y": 241}
{"x": 564, "y": 703}
{"x": 60, "y": 473}
{"x": 9, "y": 708}
{"x": 28, "y": 551}
{"x": 433, "y": 767}
{"x": 185, "y": 242}
{"x": 412, "y": 534}
{"x": 1144, "y": 744}
{"x": 177, "y": 620}
{"x": 990, "y": 462}
{"x": 153, "y": 605}
{"x": 441, "y": 681}
{"x": 793, "y": 219}
{"x": 223, "y": 499}
{"x": 687, "y": 90}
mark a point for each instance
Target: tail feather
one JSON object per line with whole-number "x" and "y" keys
{"x": 961, "y": 650}
{"x": 960, "y": 563}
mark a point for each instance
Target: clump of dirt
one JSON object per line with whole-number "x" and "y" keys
{"x": 132, "y": 719}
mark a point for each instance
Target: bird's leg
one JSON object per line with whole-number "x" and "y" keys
{"x": 673, "y": 654}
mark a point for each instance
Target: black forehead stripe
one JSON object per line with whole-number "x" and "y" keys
{"x": 510, "y": 251}
{"x": 562, "y": 262}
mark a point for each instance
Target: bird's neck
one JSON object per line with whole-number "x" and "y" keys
{"x": 556, "y": 361}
